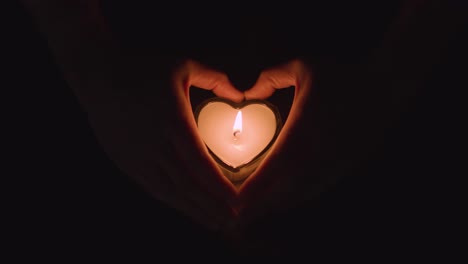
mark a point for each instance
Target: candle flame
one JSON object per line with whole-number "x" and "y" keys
{"x": 238, "y": 123}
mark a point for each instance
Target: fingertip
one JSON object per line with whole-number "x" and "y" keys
{"x": 239, "y": 97}
{"x": 248, "y": 95}
{"x": 252, "y": 94}
{"x": 230, "y": 93}
{"x": 234, "y": 94}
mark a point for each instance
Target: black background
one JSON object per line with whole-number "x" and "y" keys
{"x": 69, "y": 197}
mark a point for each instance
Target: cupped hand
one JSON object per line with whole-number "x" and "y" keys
{"x": 139, "y": 109}
{"x": 285, "y": 178}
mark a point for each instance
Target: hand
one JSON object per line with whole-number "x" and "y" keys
{"x": 139, "y": 109}
{"x": 286, "y": 175}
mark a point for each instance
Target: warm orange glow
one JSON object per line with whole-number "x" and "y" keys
{"x": 237, "y": 128}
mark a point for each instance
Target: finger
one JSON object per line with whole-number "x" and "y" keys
{"x": 206, "y": 78}
{"x": 269, "y": 81}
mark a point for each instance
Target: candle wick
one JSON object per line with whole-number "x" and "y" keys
{"x": 236, "y": 132}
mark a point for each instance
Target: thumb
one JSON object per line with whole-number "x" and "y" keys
{"x": 218, "y": 82}
{"x": 269, "y": 81}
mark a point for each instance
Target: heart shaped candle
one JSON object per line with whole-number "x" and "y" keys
{"x": 238, "y": 135}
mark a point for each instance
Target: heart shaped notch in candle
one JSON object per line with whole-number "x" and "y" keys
{"x": 238, "y": 135}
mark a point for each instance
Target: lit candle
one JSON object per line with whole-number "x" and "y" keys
{"x": 238, "y": 135}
